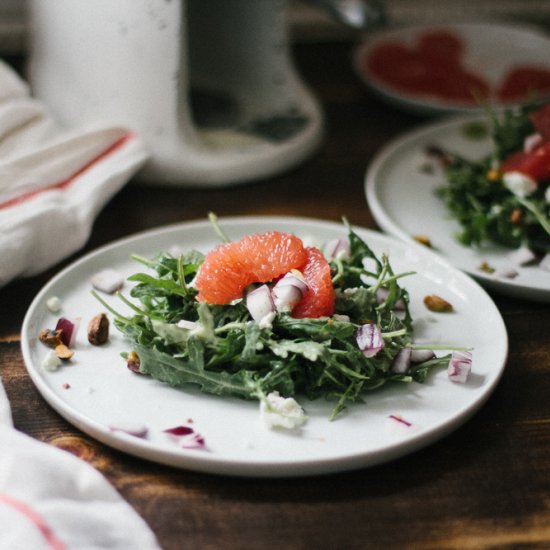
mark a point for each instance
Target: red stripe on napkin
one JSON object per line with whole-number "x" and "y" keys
{"x": 36, "y": 519}
{"x": 118, "y": 144}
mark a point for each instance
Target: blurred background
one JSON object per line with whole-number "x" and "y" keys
{"x": 308, "y": 22}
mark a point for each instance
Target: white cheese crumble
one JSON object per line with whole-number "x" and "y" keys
{"x": 53, "y": 304}
{"x": 51, "y": 362}
{"x": 547, "y": 194}
{"x": 283, "y": 412}
{"x": 519, "y": 184}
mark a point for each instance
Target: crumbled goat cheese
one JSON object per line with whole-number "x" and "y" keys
{"x": 284, "y": 412}
{"x": 51, "y": 361}
{"x": 519, "y": 184}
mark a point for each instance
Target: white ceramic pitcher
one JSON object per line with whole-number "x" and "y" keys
{"x": 209, "y": 84}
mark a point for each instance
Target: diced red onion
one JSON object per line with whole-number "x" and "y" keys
{"x": 460, "y": 366}
{"x": 421, "y": 355}
{"x": 400, "y": 420}
{"x": 260, "y": 303}
{"x": 402, "y": 361}
{"x": 337, "y": 249}
{"x": 522, "y": 256}
{"x": 293, "y": 278}
{"x": 137, "y": 430}
{"x": 288, "y": 291}
{"x": 195, "y": 441}
{"x": 369, "y": 339}
{"x": 531, "y": 142}
{"x": 382, "y": 295}
{"x": 286, "y": 297}
{"x": 186, "y": 437}
{"x": 69, "y": 329}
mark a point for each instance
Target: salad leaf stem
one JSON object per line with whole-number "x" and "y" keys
{"x": 217, "y": 228}
{"x": 111, "y": 310}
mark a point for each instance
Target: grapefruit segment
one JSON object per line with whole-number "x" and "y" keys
{"x": 229, "y": 268}
{"x": 318, "y": 300}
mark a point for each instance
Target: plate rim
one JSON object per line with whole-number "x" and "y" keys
{"x": 242, "y": 468}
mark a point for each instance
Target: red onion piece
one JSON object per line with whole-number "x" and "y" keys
{"x": 260, "y": 303}
{"x": 369, "y": 339}
{"x": 400, "y": 420}
{"x": 288, "y": 291}
{"x": 137, "y": 430}
{"x": 460, "y": 366}
{"x": 179, "y": 430}
{"x": 402, "y": 361}
{"x": 531, "y": 142}
{"x": 337, "y": 249}
{"x": 186, "y": 437}
{"x": 293, "y": 278}
{"x": 421, "y": 355}
{"x": 286, "y": 297}
{"x": 69, "y": 329}
{"x": 195, "y": 441}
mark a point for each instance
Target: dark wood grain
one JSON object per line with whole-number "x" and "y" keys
{"x": 487, "y": 485}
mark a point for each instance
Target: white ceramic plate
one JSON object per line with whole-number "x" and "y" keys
{"x": 490, "y": 50}
{"x": 103, "y": 392}
{"x": 402, "y": 199}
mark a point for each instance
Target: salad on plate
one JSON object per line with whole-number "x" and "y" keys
{"x": 504, "y": 197}
{"x": 269, "y": 318}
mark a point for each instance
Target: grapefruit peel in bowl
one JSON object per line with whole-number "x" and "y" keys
{"x": 294, "y": 321}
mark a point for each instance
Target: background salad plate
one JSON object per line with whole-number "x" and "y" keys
{"x": 401, "y": 195}
{"x": 487, "y": 51}
{"x": 96, "y": 392}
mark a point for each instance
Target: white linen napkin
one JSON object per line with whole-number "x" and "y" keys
{"x": 50, "y": 499}
{"x": 53, "y": 182}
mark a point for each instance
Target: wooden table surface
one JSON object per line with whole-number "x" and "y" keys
{"x": 487, "y": 485}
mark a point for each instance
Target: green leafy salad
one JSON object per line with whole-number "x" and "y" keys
{"x": 232, "y": 350}
{"x": 504, "y": 197}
